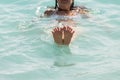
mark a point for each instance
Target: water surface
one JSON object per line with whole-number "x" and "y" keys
{"x": 28, "y": 52}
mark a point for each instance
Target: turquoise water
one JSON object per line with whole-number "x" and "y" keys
{"x": 27, "y": 50}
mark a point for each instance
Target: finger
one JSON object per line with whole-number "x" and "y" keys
{"x": 61, "y": 29}
{"x": 64, "y": 28}
{"x": 73, "y": 32}
{"x": 57, "y": 28}
{"x": 69, "y": 28}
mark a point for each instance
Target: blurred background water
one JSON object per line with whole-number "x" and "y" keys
{"x": 28, "y": 52}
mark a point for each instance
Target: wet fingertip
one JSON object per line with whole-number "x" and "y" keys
{"x": 63, "y": 28}
{"x": 73, "y": 32}
{"x": 55, "y": 29}
{"x": 67, "y": 27}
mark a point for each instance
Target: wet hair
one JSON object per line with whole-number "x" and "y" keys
{"x": 71, "y": 7}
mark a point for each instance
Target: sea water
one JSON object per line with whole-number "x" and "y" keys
{"x": 28, "y": 51}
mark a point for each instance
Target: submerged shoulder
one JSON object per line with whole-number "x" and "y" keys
{"x": 81, "y": 9}
{"x": 84, "y": 11}
{"x": 49, "y": 12}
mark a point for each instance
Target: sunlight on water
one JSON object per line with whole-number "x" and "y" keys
{"x": 28, "y": 52}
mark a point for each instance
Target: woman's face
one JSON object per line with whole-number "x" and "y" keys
{"x": 64, "y": 4}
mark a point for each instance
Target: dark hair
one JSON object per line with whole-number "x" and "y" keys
{"x": 71, "y": 7}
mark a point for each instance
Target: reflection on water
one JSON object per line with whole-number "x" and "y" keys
{"x": 63, "y": 57}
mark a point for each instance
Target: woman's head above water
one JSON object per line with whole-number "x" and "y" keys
{"x": 64, "y": 4}
{"x": 66, "y": 8}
